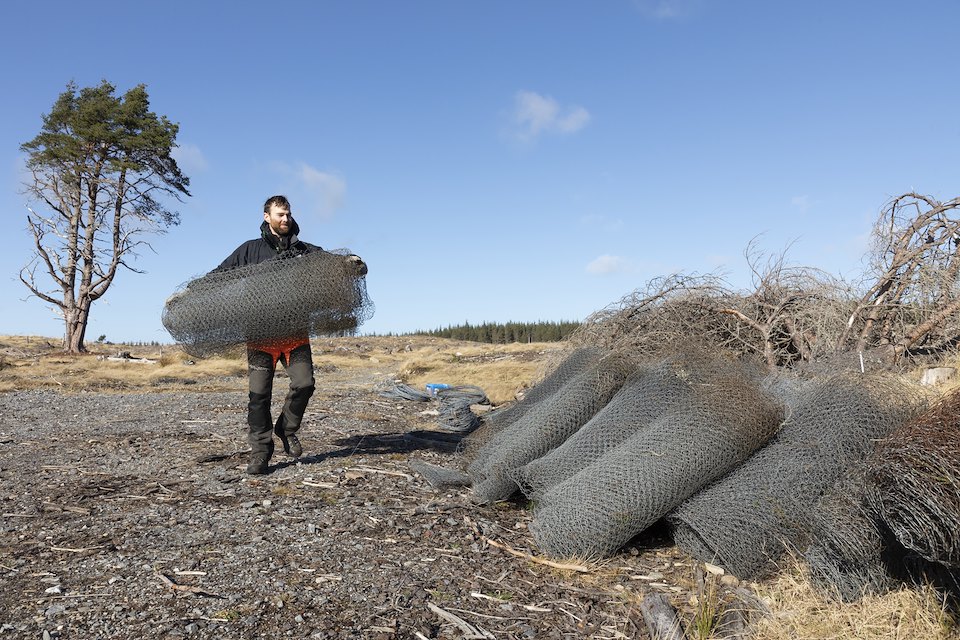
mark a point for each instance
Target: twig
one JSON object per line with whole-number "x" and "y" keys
{"x": 223, "y": 456}
{"x": 533, "y": 607}
{"x": 185, "y": 587}
{"x": 78, "y": 550}
{"x": 483, "y": 615}
{"x": 468, "y": 630}
{"x": 526, "y": 556}
{"x": 399, "y": 474}
{"x": 528, "y": 607}
{"x": 570, "y": 614}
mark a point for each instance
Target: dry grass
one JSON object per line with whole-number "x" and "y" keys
{"x": 501, "y": 370}
{"x": 799, "y": 611}
{"x": 30, "y": 362}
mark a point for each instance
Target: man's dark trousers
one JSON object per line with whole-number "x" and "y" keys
{"x": 262, "y": 366}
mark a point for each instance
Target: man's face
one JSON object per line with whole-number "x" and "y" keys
{"x": 279, "y": 220}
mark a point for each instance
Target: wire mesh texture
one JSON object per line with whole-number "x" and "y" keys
{"x": 764, "y": 507}
{"x": 571, "y": 365}
{"x": 544, "y": 426}
{"x": 655, "y": 388}
{"x": 848, "y": 555}
{"x": 455, "y": 414}
{"x": 913, "y": 482}
{"x": 402, "y": 391}
{"x": 314, "y": 294}
{"x": 598, "y": 509}
{"x": 439, "y": 477}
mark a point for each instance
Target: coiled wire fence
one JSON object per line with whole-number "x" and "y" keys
{"x": 313, "y": 294}
{"x": 857, "y": 473}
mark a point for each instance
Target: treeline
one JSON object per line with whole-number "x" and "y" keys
{"x": 497, "y": 333}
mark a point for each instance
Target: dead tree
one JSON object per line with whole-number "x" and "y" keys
{"x": 788, "y": 315}
{"x": 911, "y": 302}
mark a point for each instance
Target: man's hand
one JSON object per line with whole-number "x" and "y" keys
{"x": 359, "y": 265}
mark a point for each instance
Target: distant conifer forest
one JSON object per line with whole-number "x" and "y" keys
{"x": 497, "y": 333}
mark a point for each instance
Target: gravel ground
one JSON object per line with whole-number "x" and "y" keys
{"x": 130, "y": 516}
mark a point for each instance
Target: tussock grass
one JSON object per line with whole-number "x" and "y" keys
{"x": 799, "y": 611}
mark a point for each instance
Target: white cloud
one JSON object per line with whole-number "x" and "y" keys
{"x": 534, "y": 114}
{"x": 325, "y": 191}
{"x": 607, "y": 264}
{"x": 310, "y": 190}
{"x": 189, "y": 158}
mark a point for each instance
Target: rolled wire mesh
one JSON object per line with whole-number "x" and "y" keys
{"x": 403, "y": 391}
{"x": 312, "y": 294}
{"x": 786, "y": 388}
{"x": 599, "y": 509}
{"x": 657, "y": 387}
{"x": 545, "y": 426}
{"x": 454, "y": 404}
{"x": 747, "y": 520}
{"x": 495, "y": 421}
{"x": 440, "y": 477}
{"x": 913, "y": 481}
{"x": 848, "y": 547}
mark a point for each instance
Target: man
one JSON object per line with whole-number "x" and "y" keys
{"x": 278, "y": 239}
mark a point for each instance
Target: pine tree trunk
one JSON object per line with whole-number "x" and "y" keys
{"x": 76, "y": 328}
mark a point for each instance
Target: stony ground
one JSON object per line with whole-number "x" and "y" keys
{"x": 130, "y": 516}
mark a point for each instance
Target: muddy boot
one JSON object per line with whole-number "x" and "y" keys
{"x": 291, "y": 444}
{"x": 260, "y": 461}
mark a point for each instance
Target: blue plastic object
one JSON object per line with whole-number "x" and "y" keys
{"x": 434, "y": 387}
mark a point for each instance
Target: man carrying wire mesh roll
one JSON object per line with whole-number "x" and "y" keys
{"x": 278, "y": 240}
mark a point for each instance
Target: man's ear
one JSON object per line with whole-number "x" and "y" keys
{"x": 266, "y": 216}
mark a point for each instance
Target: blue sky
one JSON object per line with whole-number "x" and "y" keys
{"x": 501, "y": 160}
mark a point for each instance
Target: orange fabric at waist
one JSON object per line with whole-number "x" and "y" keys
{"x": 279, "y": 347}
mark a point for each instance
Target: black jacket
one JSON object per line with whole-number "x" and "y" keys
{"x": 267, "y": 247}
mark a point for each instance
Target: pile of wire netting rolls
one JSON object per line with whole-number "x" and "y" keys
{"x": 316, "y": 293}
{"x": 765, "y": 507}
{"x": 853, "y": 472}
{"x": 630, "y": 466}
{"x": 606, "y": 445}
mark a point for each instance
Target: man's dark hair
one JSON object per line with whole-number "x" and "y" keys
{"x": 279, "y": 201}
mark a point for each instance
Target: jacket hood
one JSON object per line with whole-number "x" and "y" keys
{"x": 280, "y": 243}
